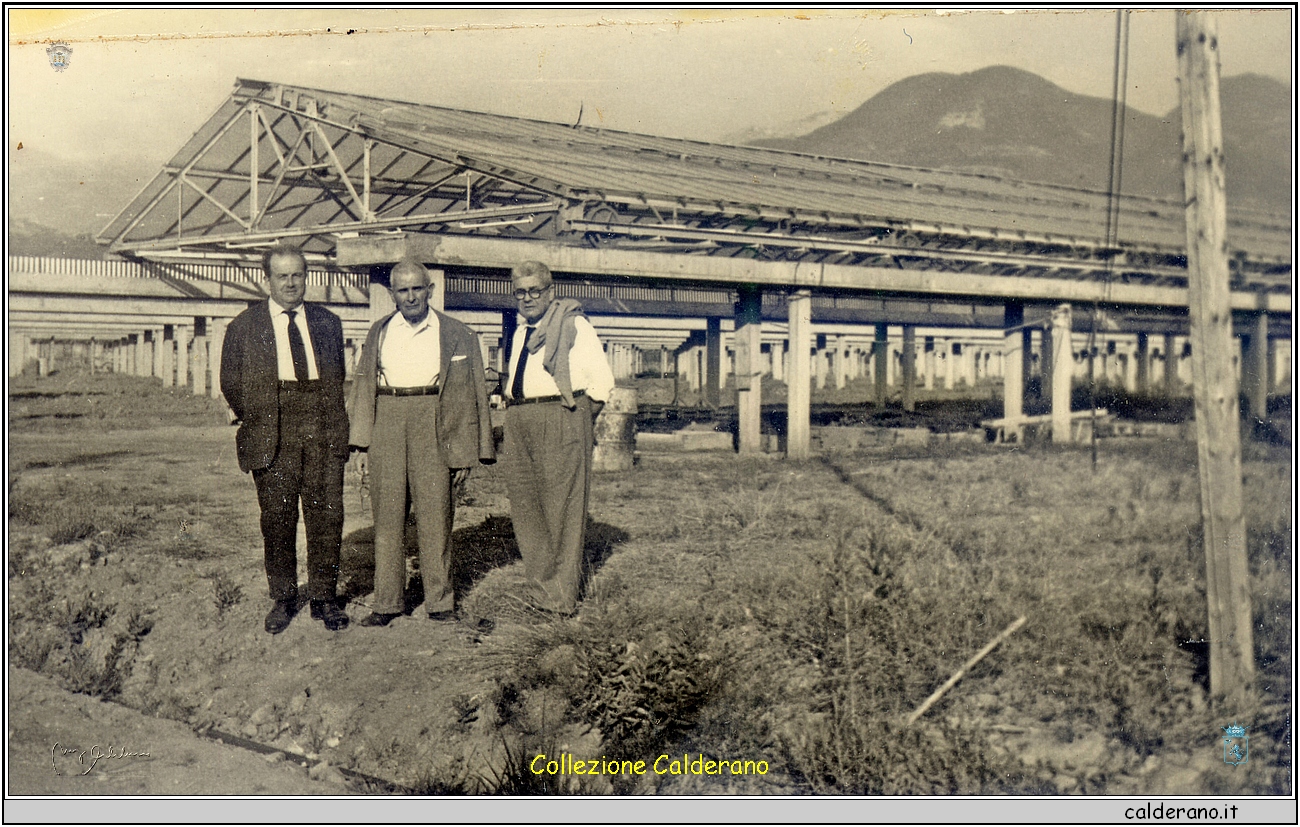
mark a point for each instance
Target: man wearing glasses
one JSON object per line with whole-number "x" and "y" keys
{"x": 557, "y": 381}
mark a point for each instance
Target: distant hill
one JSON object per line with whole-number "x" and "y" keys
{"x": 1013, "y": 123}
{"x": 74, "y": 198}
{"x": 28, "y": 238}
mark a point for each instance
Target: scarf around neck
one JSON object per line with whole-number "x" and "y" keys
{"x": 556, "y": 332}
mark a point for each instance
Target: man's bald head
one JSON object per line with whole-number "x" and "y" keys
{"x": 409, "y": 283}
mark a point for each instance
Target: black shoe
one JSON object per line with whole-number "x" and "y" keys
{"x": 281, "y": 615}
{"x": 379, "y": 619}
{"x": 329, "y": 613}
{"x": 443, "y": 617}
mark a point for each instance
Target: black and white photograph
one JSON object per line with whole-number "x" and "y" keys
{"x": 741, "y": 409}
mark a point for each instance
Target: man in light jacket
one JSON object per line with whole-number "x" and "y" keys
{"x": 419, "y": 408}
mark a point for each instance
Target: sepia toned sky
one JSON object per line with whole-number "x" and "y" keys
{"x": 141, "y": 82}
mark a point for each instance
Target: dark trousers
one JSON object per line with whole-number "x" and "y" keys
{"x": 405, "y": 456}
{"x": 305, "y": 469}
{"x": 547, "y": 466}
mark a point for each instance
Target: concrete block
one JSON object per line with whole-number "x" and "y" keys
{"x": 658, "y": 442}
{"x": 912, "y": 436}
{"x": 705, "y": 441}
{"x": 832, "y": 438}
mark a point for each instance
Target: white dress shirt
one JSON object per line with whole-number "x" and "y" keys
{"x": 283, "y": 355}
{"x": 588, "y": 368}
{"x": 410, "y": 356}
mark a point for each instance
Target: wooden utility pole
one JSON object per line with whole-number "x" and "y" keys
{"x": 1214, "y": 381}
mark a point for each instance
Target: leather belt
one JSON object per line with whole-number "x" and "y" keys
{"x": 428, "y": 390}
{"x": 532, "y": 400}
{"x": 309, "y": 386}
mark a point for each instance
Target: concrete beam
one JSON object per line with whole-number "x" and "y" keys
{"x": 503, "y": 253}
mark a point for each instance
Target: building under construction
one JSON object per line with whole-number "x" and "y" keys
{"x": 723, "y": 259}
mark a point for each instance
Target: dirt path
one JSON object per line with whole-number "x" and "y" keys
{"x": 66, "y": 744}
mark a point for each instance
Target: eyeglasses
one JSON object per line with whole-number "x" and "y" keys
{"x": 533, "y": 293}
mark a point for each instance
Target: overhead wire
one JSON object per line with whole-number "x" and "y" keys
{"x": 1114, "y": 186}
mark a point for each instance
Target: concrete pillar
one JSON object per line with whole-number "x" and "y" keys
{"x": 909, "y": 367}
{"x": 381, "y": 301}
{"x": 1254, "y": 372}
{"x": 749, "y": 376}
{"x": 713, "y": 363}
{"x": 509, "y": 320}
{"x": 155, "y": 352}
{"x": 1142, "y": 379}
{"x": 182, "y": 336}
{"x": 1062, "y": 371}
{"x": 799, "y": 383}
{"x": 349, "y": 352}
{"x": 199, "y": 357}
{"x": 1013, "y": 376}
{"x": 968, "y": 364}
{"x": 144, "y": 354}
{"x": 17, "y": 352}
{"x": 1171, "y": 363}
{"x": 891, "y": 365}
{"x": 841, "y": 364}
{"x": 819, "y": 361}
{"x": 216, "y": 342}
{"x": 880, "y": 349}
{"x": 167, "y": 356}
{"x": 128, "y": 354}
{"x": 778, "y": 360}
{"x": 96, "y": 353}
{"x": 1276, "y": 359}
{"x": 1045, "y": 363}
{"x": 949, "y": 366}
{"x": 928, "y": 363}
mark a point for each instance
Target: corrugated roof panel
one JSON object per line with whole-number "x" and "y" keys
{"x": 590, "y": 163}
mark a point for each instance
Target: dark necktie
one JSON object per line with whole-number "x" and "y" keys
{"x": 296, "y": 349}
{"x": 517, "y": 384}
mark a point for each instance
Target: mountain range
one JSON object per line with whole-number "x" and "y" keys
{"x": 997, "y": 120}
{"x": 1009, "y": 122}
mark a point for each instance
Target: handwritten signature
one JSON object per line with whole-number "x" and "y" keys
{"x": 89, "y": 758}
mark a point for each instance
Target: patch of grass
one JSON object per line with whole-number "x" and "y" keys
{"x": 83, "y": 641}
{"x": 226, "y": 593}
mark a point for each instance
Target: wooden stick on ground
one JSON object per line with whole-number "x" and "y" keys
{"x": 965, "y": 667}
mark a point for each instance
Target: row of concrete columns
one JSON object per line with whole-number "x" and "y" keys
{"x": 885, "y": 364}
{"x": 179, "y": 355}
{"x": 939, "y": 363}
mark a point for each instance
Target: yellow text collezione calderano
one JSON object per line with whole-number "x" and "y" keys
{"x": 566, "y": 764}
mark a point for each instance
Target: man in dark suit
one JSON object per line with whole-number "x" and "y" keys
{"x": 419, "y": 409}
{"x": 282, "y": 375}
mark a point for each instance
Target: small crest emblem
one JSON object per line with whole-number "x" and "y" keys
{"x": 1236, "y": 744}
{"x": 60, "y": 55}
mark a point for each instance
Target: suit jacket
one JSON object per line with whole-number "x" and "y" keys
{"x": 463, "y": 424}
{"x": 250, "y": 376}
